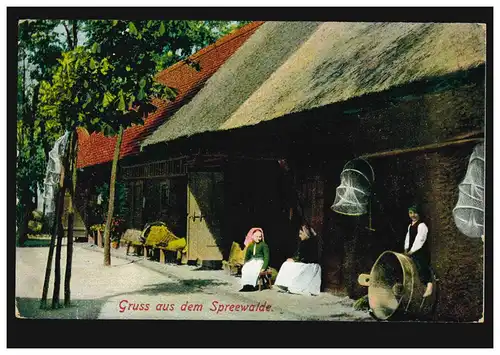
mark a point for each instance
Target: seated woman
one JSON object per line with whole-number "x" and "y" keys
{"x": 256, "y": 259}
{"x": 302, "y": 273}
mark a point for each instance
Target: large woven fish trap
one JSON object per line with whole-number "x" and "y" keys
{"x": 353, "y": 194}
{"x": 469, "y": 210}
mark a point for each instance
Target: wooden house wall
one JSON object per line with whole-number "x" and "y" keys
{"x": 431, "y": 177}
{"x": 350, "y": 247}
{"x": 255, "y": 198}
{"x": 86, "y": 197}
{"x": 432, "y": 180}
{"x": 171, "y": 210}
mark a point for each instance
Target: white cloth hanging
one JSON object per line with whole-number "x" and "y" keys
{"x": 53, "y": 172}
{"x": 250, "y": 272}
{"x": 300, "y": 278}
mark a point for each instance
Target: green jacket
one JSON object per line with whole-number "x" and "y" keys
{"x": 261, "y": 252}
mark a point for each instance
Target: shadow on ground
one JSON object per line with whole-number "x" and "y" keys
{"x": 90, "y": 309}
{"x": 180, "y": 287}
{"x": 79, "y": 309}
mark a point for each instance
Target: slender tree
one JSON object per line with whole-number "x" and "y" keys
{"x": 72, "y": 189}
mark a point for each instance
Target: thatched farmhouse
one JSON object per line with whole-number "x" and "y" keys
{"x": 407, "y": 97}
{"x": 152, "y": 191}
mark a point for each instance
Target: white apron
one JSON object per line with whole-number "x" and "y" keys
{"x": 300, "y": 278}
{"x": 250, "y": 272}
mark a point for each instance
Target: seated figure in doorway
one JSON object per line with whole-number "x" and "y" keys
{"x": 256, "y": 259}
{"x": 302, "y": 273}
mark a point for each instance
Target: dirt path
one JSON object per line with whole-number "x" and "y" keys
{"x": 134, "y": 288}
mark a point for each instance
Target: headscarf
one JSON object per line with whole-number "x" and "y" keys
{"x": 250, "y": 234}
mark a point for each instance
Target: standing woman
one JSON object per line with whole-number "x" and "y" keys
{"x": 302, "y": 273}
{"x": 256, "y": 259}
{"x": 416, "y": 237}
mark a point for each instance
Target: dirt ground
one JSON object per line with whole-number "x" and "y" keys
{"x": 134, "y": 288}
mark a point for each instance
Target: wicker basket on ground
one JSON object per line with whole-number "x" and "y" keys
{"x": 158, "y": 236}
{"x": 133, "y": 237}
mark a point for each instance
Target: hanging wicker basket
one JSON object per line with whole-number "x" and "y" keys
{"x": 353, "y": 194}
{"x": 469, "y": 210}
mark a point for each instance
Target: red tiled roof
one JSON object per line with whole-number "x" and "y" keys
{"x": 96, "y": 149}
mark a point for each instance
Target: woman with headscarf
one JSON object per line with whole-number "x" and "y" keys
{"x": 416, "y": 247}
{"x": 256, "y": 259}
{"x": 302, "y": 273}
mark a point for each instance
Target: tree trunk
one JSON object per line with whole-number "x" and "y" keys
{"x": 45, "y": 142}
{"x": 71, "y": 216}
{"x": 55, "y": 227}
{"x": 57, "y": 271}
{"x": 26, "y": 203}
{"x": 60, "y": 234}
{"x": 68, "y": 36}
{"x": 111, "y": 201}
{"x": 75, "y": 33}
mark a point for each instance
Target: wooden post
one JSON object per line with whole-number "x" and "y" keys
{"x": 99, "y": 239}
{"x": 65, "y": 179}
{"x": 428, "y": 147}
{"x": 55, "y": 231}
{"x": 162, "y": 256}
{"x": 145, "y": 252}
{"x": 111, "y": 200}
{"x": 71, "y": 219}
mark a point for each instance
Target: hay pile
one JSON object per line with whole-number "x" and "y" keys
{"x": 133, "y": 236}
{"x": 159, "y": 236}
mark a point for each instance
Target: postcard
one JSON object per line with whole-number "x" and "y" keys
{"x": 269, "y": 170}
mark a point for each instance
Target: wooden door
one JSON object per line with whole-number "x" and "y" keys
{"x": 205, "y": 202}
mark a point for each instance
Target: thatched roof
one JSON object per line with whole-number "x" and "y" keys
{"x": 288, "y": 67}
{"x": 248, "y": 68}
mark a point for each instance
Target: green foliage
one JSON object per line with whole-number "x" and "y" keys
{"x": 39, "y": 236}
{"x": 121, "y": 210}
{"x": 35, "y": 226}
{"x": 37, "y": 216}
{"x": 30, "y": 172}
{"x": 362, "y": 304}
{"x": 42, "y": 46}
{"x": 109, "y": 83}
{"x": 97, "y": 227}
{"x": 151, "y": 46}
{"x": 77, "y": 95}
{"x": 39, "y": 47}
